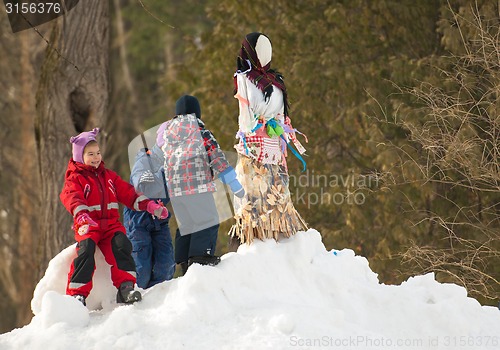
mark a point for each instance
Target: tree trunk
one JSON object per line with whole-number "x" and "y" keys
{"x": 19, "y": 203}
{"x": 26, "y": 197}
{"x": 72, "y": 97}
{"x": 122, "y": 47}
{"x": 124, "y": 100}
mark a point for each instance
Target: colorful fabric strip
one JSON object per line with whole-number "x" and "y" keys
{"x": 296, "y": 154}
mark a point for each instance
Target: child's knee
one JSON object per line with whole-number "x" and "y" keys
{"x": 86, "y": 248}
{"x": 122, "y": 251}
{"x": 120, "y": 243}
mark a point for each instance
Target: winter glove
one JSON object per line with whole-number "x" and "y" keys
{"x": 157, "y": 209}
{"x": 228, "y": 177}
{"x": 82, "y": 222}
{"x": 237, "y": 188}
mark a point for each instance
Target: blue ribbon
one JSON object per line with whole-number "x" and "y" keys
{"x": 245, "y": 144}
{"x": 257, "y": 127}
{"x": 241, "y": 135}
{"x": 296, "y": 154}
{"x": 272, "y": 122}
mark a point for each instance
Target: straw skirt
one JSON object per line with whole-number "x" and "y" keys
{"x": 266, "y": 210}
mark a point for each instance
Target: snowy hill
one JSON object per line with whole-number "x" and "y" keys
{"x": 289, "y": 295}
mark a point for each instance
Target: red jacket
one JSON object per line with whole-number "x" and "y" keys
{"x": 98, "y": 191}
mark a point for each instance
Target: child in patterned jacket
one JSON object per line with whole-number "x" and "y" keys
{"x": 192, "y": 155}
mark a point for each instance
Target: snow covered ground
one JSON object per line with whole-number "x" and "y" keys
{"x": 288, "y": 295}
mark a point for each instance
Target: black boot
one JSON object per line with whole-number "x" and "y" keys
{"x": 206, "y": 259}
{"x": 126, "y": 294}
{"x": 80, "y": 298}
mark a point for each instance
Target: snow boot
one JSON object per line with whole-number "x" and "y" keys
{"x": 80, "y": 298}
{"x": 127, "y": 295}
{"x": 206, "y": 259}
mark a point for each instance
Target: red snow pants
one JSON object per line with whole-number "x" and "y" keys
{"x": 117, "y": 251}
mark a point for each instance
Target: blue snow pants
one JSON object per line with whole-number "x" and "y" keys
{"x": 153, "y": 254}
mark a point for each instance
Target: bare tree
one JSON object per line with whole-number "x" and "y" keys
{"x": 72, "y": 97}
{"x": 455, "y": 153}
{"x": 124, "y": 102}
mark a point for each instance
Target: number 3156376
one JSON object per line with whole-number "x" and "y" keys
{"x": 33, "y": 8}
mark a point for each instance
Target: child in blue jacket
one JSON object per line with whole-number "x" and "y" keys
{"x": 153, "y": 251}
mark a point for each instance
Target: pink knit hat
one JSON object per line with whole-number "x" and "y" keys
{"x": 80, "y": 141}
{"x": 159, "y": 135}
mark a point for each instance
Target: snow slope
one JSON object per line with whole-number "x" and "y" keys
{"x": 288, "y": 295}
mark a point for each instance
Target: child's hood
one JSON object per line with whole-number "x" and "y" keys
{"x": 182, "y": 128}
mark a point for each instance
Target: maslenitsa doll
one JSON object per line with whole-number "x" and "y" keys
{"x": 265, "y": 135}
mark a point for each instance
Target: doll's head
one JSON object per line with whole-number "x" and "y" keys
{"x": 256, "y": 49}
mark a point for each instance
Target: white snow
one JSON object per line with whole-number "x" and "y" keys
{"x": 288, "y": 295}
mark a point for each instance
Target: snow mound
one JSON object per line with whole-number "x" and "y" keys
{"x": 290, "y": 294}
{"x": 56, "y": 277}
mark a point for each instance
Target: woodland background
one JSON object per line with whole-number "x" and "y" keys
{"x": 400, "y": 97}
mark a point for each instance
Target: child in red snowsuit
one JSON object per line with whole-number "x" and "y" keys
{"x": 91, "y": 193}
